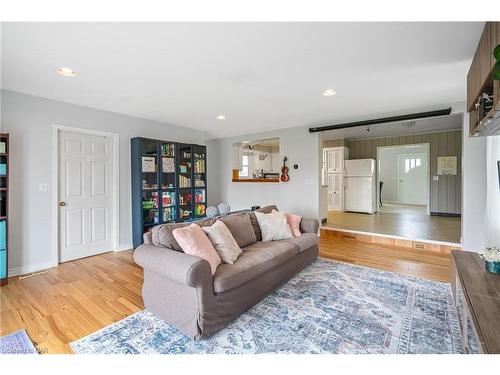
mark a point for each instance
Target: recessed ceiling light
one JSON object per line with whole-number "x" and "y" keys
{"x": 67, "y": 72}
{"x": 329, "y": 92}
{"x": 221, "y": 117}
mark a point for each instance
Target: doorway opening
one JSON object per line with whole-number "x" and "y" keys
{"x": 403, "y": 178}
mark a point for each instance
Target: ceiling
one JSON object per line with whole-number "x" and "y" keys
{"x": 260, "y": 76}
{"x": 392, "y": 129}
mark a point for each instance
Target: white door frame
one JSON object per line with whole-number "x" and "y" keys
{"x": 56, "y": 129}
{"x": 427, "y": 151}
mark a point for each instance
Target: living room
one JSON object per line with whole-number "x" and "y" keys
{"x": 167, "y": 188}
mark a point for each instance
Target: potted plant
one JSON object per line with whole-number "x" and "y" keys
{"x": 491, "y": 257}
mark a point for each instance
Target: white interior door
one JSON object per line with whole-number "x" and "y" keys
{"x": 334, "y": 160}
{"x": 412, "y": 173}
{"x": 334, "y": 191}
{"x": 85, "y": 195}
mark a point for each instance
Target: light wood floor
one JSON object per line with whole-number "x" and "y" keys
{"x": 72, "y": 300}
{"x": 80, "y": 297}
{"x": 399, "y": 220}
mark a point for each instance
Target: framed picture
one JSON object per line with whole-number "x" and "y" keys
{"x": 148, "y": 164}
{"x": 447, "y": 165}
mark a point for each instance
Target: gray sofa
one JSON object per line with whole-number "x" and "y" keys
{"x": 180, "y": 288}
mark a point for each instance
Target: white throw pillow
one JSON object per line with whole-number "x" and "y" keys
{"x": 223, "y": 241}
{"x": 273, "y": 226}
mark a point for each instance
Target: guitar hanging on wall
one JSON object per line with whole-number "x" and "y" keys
{"x": 284, "y": 171}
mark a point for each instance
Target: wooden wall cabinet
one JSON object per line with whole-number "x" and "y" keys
{"x": 479, "y": 78}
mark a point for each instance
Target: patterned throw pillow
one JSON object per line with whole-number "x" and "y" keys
{"x": 274, "y": 226}
{"x": 294, "y": 222}
{"x": 223, "y": 241}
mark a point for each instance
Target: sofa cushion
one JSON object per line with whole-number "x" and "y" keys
{"x": 267, "y": 209}
{"x": 254, "y": 261}
{"x": 161, "y": 235}
{"x": 241, "y": 228}
{"x": 194, "y": 241}
{"x": 255, "y": 222}
{"x": 223, "y": 241}
{"x": 294, "y": 223}
{"x": 305, "y": 241}
{"x": 274, "y": 226}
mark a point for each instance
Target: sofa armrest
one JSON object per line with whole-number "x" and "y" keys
{"x": 308, "y": 225}
{"x": 179, "y": 267}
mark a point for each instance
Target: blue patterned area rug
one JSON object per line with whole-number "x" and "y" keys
{"x": 17, "y": 343}
{"x": 329, "y": 307}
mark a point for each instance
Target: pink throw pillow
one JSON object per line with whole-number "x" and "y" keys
{"x": 294, "y": 223}
{"x": 194, "y": 241}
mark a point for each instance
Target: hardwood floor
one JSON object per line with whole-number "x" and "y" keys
{"x": 399, "y": 220}
{"x": 408, "y": 261}
{"x": 72, "y": 300}
{"x": 80, "y": 297}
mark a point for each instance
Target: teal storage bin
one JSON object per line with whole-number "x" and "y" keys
{"x": 3, "y": 235}
{"x": 3, "y": 264}
{"x": 3, "y": 169}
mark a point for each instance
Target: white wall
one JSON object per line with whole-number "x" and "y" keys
{"x": 388, "y": 158}
{"x": 29, "y": 121}
{"x": 300, "y": 195}
{"x": 473, "y": 189}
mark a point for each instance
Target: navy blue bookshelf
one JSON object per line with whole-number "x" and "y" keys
{"x": 168, "y": 184}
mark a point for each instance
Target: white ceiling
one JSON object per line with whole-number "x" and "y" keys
{"x": 261, "y": 76}
{"x": 392, "y": 129}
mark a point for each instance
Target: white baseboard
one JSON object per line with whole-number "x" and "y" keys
{"x": 16, "y": 271}
{"x": 123, "y": 247}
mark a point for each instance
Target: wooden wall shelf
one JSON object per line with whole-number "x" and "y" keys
{"x": 272, "y": 180}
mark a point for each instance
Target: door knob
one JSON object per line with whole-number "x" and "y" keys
{"x": 62, "y": 204}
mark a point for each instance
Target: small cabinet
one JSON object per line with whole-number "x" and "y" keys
{"x": 480, "y": 82}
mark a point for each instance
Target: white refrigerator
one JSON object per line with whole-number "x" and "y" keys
{"x": 360, "y": 186}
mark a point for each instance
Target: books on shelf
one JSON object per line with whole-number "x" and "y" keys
{"x": 168, "y": 165}
{"x": 2, "y": 147}
{"x": 199, "y": 210}
{"x": 184, "y": 182}
{"x": 148, "y": 164}
{"x": 199, "y": 196}
{"x": 199, "y": 183}
{"x": 168, "y": 199}
{"x": 168, "y": 150}
{"x": 199, "y": 166}
{"x": 168, "y": 214}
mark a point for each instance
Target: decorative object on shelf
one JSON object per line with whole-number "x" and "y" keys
{"x": 223, "y": 209}
{"x": 491, "y": 256}
{"x": 284, "y": 171}
{"x": 212, "y": 211}
{"x": 148, "y": 164}
{"x": 168, "y": 165}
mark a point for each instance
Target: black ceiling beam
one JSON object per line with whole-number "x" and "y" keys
{"x": 382, "y": 120}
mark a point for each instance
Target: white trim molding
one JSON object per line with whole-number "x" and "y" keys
{"x": 56, "y": 129}
{"x": 30, "y": 268}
